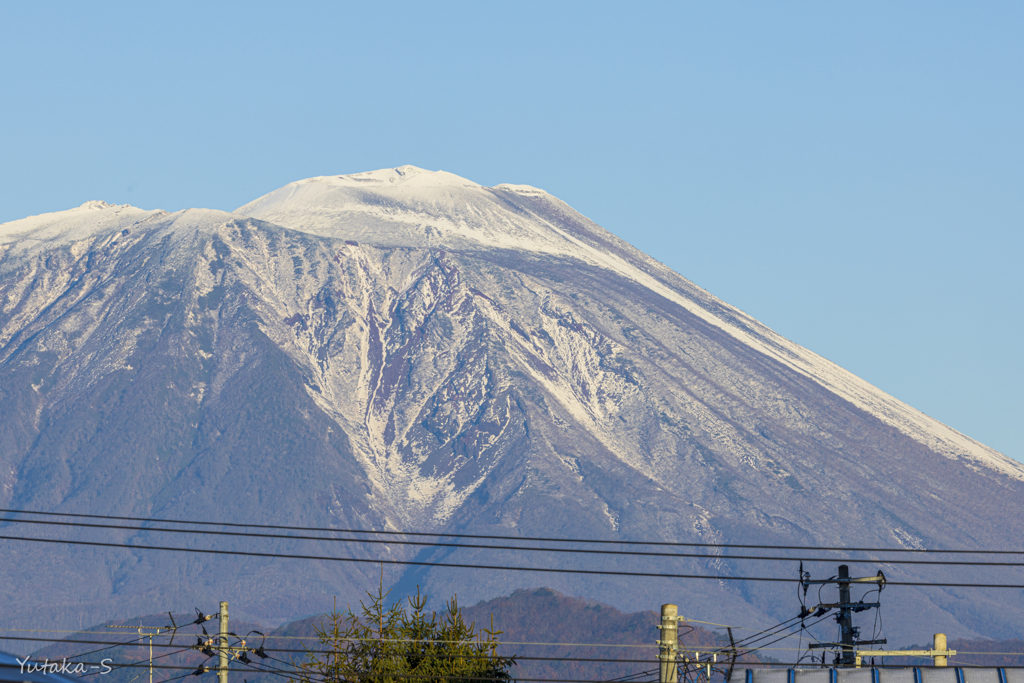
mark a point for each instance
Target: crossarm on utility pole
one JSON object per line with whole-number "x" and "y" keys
{"x": 939, "y": 652}
{"x": 906, "y": 653}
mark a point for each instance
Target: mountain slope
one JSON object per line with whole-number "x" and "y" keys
{"x": 409, "y": 207}
{"x": 409, "y": 350}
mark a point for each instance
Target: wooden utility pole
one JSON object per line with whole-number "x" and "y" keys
{"x": 222, "y": 668}
{"x": 668, "y": 644}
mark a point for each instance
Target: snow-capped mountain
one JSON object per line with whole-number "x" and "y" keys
{"x": 407, "y": 349}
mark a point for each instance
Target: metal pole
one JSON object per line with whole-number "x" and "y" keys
{"x": 222, "y": 669}
{"x": 939, "y": 643}
{"x": 150, "y": 657}
{"x": 845, "y": 619}
{"x": 668, "y": 673}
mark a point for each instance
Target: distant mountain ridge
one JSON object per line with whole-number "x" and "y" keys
{"x": 553, "y": 635}
{"x": 409, "y": 350}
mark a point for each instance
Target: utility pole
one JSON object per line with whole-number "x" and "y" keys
{"x": 847, "y": 633}
{"x": 849, "y": 639}
{"x": 667, "y": 644}
{"x": 222, "y": 669}
{"x": 150, "y": 632}
{"x": 218, "y": 645}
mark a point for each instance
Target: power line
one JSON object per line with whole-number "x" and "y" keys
{"x": 630, "y": 677}
{"x": 593, "y": 572}
{"x": 584, "y": 551}
{"x": 145, "y": 664}
{"x": 314, "y": 637}
{"x": 95, "y": 642}
{"x": 192, "y": 668}
{"x": 474, "y": 677}
{"x": 783, "y": 637}
{"x": 515, "y": 538}
{"x": 434, "y": 676}
{"x": 761, "y": 635}
{"x": 271, "y": 637}
{"x": 142, "y": 664}
{"x": 747, "y": 645}
{"x": 453, "y": 565}
{"x": 687, "y": 620}
{"x": 150, "y": 661}
{"x": 174, "y": 678}
{"x": 57, "y": 641}
{"x": 298, "y": 651}
{"x": 177, "y": 650}
{"x": 280, "y": 672}
{"x": 605, "y": 660}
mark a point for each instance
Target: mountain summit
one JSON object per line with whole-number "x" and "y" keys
{"x": 406, "y": 349}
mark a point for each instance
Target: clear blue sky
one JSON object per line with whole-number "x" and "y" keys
{"x": 851, "y": 174}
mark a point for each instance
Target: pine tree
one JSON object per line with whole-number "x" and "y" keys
{"x": 403, "y": 643}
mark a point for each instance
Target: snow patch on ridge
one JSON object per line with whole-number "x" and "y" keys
{"x": 403, "y": 177}
{"x": 520, "y": 189}
{"x": 59, "y": 227}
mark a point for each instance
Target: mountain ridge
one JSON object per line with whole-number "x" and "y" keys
{"x": 227, "y": 366}
{"x": 942, "y": 438}
{"x": 948, "y": 441}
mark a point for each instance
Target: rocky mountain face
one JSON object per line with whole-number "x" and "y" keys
{"x": 408, "y": 350}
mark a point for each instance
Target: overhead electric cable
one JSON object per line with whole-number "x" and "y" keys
{"x": 120, "y": 633}
{"x": 514, "y": 538}
{"x": 630, "y": 677}
{"x": 137, "y": 641}
{"x": 434, "y": 544}
{"x": 145, "y": 664}
{"x": 753, "y": 638}
{"x": 178, "y": 650}
{"x": 471, "y": 677}
{"x": 175, "y": 678}
{"x": 434, "y": 676}
{"x": 140, "y": 664}
{"x": 750, "y": 650}
{"x": 148, "y": 662}
{"x": 83, "y": 654}
{"x": 174, "y": 667}
{"x": 462, "y": 565}
{"x": 310, "y": 637}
